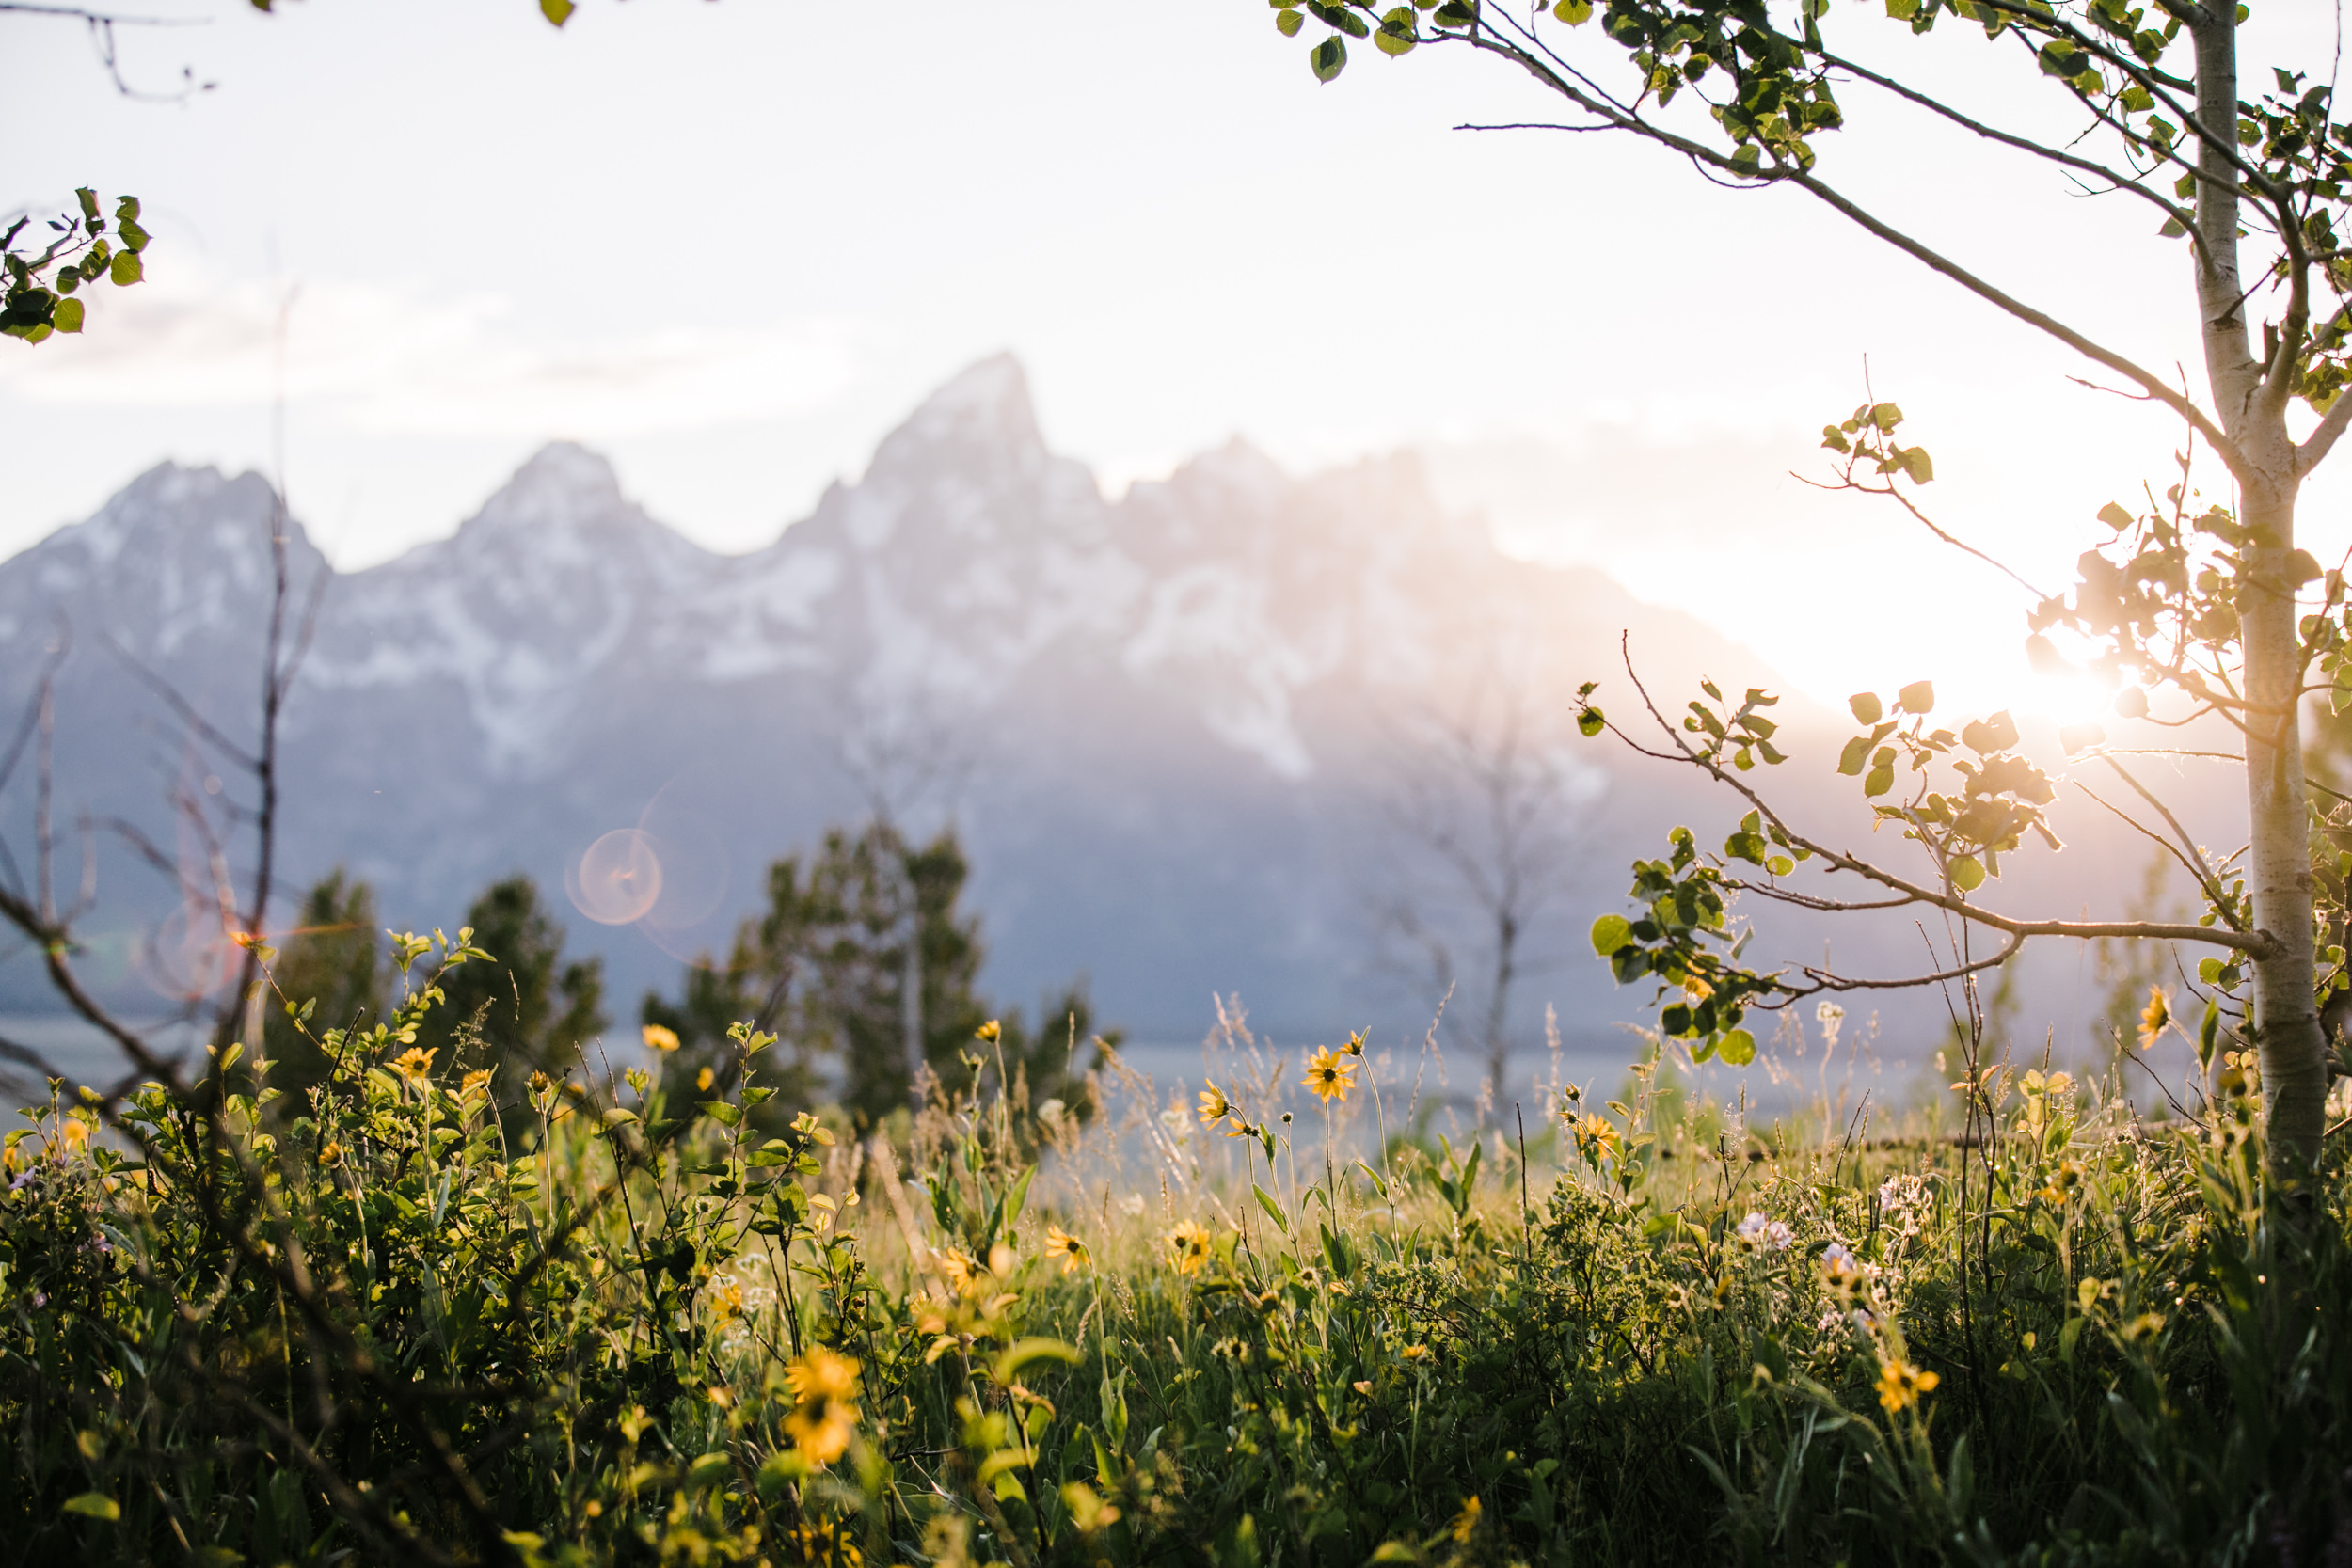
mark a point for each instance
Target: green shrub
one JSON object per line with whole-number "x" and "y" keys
{"x": 417, "y": 1314}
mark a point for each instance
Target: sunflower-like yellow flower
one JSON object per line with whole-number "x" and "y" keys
{"x": 1062, "y": 1245}
{"x": 1466, "y": 1523}
{"x": 1214, "y": 1107}
{"x": 1900, "y": 1385}
{"x": 658, "y": 1038}
{"x": 474, "y": 1083}
{"x": 1596, "y": 1137}
{"x": 2153, "y": 1017}
{"x": 825, "y": 1385}
{"x": 1355, "y": 1046}
{"x": 414, "y": 1063}
{"x": 989, "y": 1033}
{"x": 959, "y": 1268}
{"x": 1329, "y": 1076}
{"x": 1188, "y": 1247}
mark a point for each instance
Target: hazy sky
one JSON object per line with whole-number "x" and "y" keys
{"x": 731, "y": 242}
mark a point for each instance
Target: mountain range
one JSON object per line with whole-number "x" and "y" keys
{"x": 1202, "y": 739}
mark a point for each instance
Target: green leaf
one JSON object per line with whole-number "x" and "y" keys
{"x": 2115, "y": 516}
{"x": 1918, "y": 697}
{"x": 1610, "y": 932}
{"x": 1865, "y": 707}
{"x": 94, "y": 1505}
{"x": 1967, "y": 873}
{"x": 125, "y": 270}
{"x": 1266, "y": 1202}
{"x": 1574, "y": 12}
{"x": 557, "y": 11}
{"x": 1397, "y": 33}
{"x": 1328, "y": 59}
{"x": 1997, "y": 732}
{"x": 1780, "y": 865}
{"x": 1458, "y": 13}
{"x": 1879, "y": 781}
{"x": 68, "y": 316}
{"x": 1288, "y": 22}
{"x": 1737, "y": 1048}
{"x": 1855, "y": 756}
{"x": 1023, "y": 1354}
{"x": 1916, "y": 464}
{"x": 722, "y": 1113}
{"x": 1589, "y": 721}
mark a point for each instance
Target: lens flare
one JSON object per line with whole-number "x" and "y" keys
{"x": 690, "y": 921}
{"x": 618, "y": 879}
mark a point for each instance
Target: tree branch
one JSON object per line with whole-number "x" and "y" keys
{"x": 2258, "y": 944}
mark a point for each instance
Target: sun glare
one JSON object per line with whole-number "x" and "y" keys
{"x": 2067, "y": 697}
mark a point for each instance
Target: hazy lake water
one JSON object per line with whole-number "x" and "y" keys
{"x": 1412, "y": 1079}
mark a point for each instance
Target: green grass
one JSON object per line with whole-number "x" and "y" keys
{"x": 408, "y": 1318}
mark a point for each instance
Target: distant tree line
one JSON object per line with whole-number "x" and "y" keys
{"x": 826, "y": 967}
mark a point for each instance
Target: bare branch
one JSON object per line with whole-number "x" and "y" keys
{"x": 181, "y": 706}
{"x": 2323, "y": 440}
{"x": 1828, "y": 981}
{"x": 1925, "y": 521}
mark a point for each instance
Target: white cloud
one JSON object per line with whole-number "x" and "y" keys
{"x": 385, "y": 360}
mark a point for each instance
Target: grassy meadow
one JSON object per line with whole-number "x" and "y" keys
{"x": 1303, "y": 1315}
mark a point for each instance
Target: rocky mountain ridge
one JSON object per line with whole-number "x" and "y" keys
{"x": 1165, "y": 725}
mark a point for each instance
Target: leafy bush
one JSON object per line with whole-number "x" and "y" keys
{"x": 377, "y": 1317}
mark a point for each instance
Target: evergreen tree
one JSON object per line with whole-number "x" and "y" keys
{"x": 826, "y": 967}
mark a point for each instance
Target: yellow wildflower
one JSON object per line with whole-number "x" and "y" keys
{"x": 1214, "y": 1107}
{"x": 1596, "y": 1137}
{"x": 1328, "y": 1076}
{"x": 414, "y": 1063}
{"x": 1355, "y": 1046}
{"x": 658, "y": 1038}
{"x": 959, "y": 1268}
{"x": 703, "y": 1080}
{"x": 1062, "y": 1245}
{"x": 825, "y": 1384}
{"x": 1900, "y": 1385}
{"x": 474, "y": 1083}
{"x": 2153, "y": 1017}
{"x": 1466, "y": 1523}
{"x": 1188, "y": 1247}
{"x": 989, "y": 1033}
